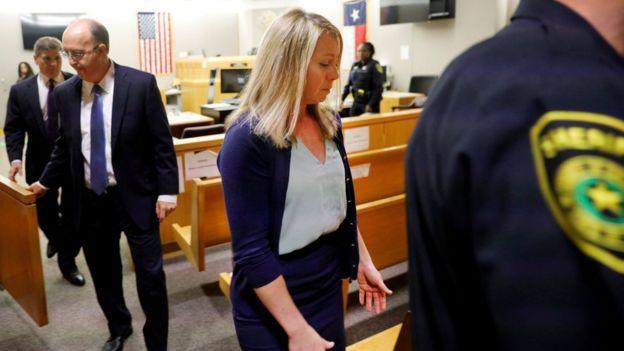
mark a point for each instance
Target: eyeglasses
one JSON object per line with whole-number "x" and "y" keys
{"x": 77, "y": 54}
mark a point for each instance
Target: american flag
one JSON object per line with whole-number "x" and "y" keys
{"x": 155, "y": 42}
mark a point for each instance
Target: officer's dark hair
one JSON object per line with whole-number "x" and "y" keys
{"x": 369, "y": 47}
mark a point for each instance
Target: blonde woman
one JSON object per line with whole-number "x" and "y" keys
{"x": 289, "y": 196}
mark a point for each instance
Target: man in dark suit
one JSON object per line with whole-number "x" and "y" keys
{"x": 31, "y": 111}
{"x": 117, "y": 149}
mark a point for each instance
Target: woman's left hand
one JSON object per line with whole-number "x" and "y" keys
{"x": 373, "y": 291}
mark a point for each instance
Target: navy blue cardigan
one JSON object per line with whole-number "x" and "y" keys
{"x": 255, "y": 179}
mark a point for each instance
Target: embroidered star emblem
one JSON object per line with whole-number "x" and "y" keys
{"x": 355, "y": 15}
{"x": 605, "y": 199}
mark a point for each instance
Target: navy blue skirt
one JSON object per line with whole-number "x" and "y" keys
{"x": 312, "y": 275}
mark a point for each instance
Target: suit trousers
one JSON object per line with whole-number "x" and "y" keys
{"x": 59, "y": 232}
{"x": 103, "y": 219}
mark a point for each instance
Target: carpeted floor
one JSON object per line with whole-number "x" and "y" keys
{"x": 200, "y": 316}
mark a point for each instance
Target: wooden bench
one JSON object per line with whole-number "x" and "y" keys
{"x": 378, "y": 195}
{"x": 385, "y": 131}
{"x": 384, "y": 340}
{"x": 397, "y": 338}
{"x": 21, "y": 272}
{"x": 182, "y": 214}
{"x": 383, "y": 227}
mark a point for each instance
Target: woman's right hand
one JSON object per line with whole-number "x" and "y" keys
{"x": 307, "y": 339}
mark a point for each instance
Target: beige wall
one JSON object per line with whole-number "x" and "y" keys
{"x": 215, "y": 31}
{"x": 431, "y": 46}
{"x": 232, "y": 27}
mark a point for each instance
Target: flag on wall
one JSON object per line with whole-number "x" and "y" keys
{"x": 155, "y": 42}
{"x": 354, "y": 14}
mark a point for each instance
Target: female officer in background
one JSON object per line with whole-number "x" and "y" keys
{"x": 289, "y": 196}
{"x": 365, "y": 82}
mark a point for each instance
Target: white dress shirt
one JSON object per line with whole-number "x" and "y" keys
{"x": 108, "y": 87}
{"x": 42, "y": 87}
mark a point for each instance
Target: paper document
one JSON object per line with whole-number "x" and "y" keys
{"x": 360, "y": 171}
{"x": 200, "y": 164}
{"x": 357, "y": 139}
{"x": 216, "y": 105}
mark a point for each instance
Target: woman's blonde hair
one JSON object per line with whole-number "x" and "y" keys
{"x": 271, "y": 100}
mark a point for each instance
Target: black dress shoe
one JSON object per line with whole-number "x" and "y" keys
{"x": 75, "y": 278}
{"x": 51, "y": 251}
{"x": 115, "y": 343}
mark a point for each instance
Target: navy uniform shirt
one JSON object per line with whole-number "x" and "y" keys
{"x": 515, "y": 190}
{"x": 365, "y": 83}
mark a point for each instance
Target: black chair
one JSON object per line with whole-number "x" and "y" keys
{"x": 191, "y": 132}
{"x": 418, "y": 84}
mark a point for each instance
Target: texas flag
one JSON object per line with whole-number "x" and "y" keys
{"x": 355, "y": 26}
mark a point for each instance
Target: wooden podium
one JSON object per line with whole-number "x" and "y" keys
{"x": 21, "y": 272}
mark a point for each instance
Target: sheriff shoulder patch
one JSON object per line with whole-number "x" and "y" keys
{"x": 579, "y": 160}
{"x": 379, "y": 68}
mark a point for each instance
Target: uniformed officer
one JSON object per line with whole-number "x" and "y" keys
{"x": 515, "y": 188}
{"x": 365, "y": 82}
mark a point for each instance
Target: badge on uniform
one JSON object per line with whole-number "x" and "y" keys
{"x": 579, "y": 160}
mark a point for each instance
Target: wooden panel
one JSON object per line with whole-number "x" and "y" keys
{"x": 385, "y": 173}
{"x": 382, "y": 341}
{"x": 211, "y": 214}
{"x": 399, "y": 132}
{"x": 182, "y": 214}
{"x": 352, "y": 122}
{"x": 383, "y": 227}
{"x": 16, "y": 191}
{"x": 183, "y": 238}
{"x": 21, "y": 271}
{"x": 387, "y": 129}
{"x": 225, "y": 280}
{"x": 194, "y": 94}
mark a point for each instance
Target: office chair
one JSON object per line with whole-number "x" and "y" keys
{"x": 418, "y": 84}
{"x": 191, "y": 132}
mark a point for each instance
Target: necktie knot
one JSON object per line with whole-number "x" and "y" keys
{"x": 51, "y": 84}
{"x": 97, "y": 89}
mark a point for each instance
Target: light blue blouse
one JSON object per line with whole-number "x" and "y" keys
{"x": 316, "y": 201}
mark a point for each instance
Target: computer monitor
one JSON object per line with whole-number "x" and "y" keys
{"x": 233, "y": 80}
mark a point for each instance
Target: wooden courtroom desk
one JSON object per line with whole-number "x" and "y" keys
{"x": 396, "y": 98}
{"x": 21, "y": 271}
{"x": 177, "y": 122}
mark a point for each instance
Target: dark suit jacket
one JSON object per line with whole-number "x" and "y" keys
{"x": 143, "y": 158}
{"x": 24, "y": 116}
